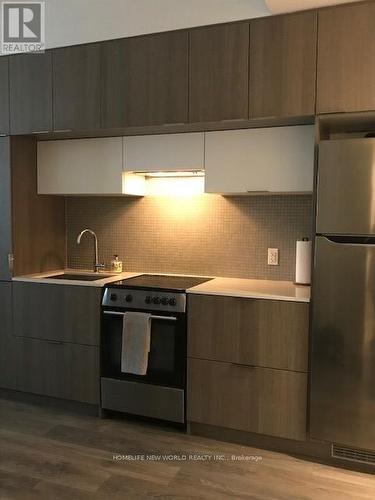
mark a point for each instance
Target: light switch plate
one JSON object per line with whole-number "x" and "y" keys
{"x": 273, "y": 256}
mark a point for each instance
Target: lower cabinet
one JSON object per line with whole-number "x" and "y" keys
{"x": 246, "y": 398}
{"x": 60, "y": 370}
{"x": 8, "y": 345}
{"x": 52, "y": 345}
{"x": 63, "y": 313}
{"x": 247, "y": 364}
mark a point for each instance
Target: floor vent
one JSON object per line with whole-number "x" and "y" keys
{"x": 353, "y": 454}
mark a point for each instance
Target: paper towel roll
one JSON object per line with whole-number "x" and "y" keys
{"x": 303, "y": 262}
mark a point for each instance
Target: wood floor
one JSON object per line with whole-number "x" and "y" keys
{"x": 50, "y": 454}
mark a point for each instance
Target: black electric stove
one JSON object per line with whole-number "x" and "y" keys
{"x": 161, "y": 282}
{"x": 160, "y": 393}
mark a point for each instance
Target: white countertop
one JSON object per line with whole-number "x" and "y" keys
{"x": 254, "y": 289}
{"x": 231, "y": 287}
{"x": 45, "y": 278}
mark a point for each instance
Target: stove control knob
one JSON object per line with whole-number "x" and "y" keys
{"x": 129, "y": 298}
{"x": 164, "y": 301}
{"x": 113, "y": 297}
{"x": 148, "y": 299}
{"x": 172, "y": 302}
{"x": 156, "y": 300}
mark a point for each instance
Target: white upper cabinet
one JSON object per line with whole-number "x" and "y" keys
{"x": 275, "y": 160}
{"x": 84, "y": 167}
{"x": 167, "y": 152}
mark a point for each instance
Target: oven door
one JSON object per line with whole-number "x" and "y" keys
{"x": 167, "y": 356}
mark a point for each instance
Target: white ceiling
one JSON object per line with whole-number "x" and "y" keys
{"x": 281, "y": 6}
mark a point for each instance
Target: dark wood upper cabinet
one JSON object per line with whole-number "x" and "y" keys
{"x": 113, "y": 84}
{"x": 76, "y": 87}
{"x": 219, "y": 73}
{"x": 283, "y": 65}
{"x": 156, "y": 79}
{"x": 346, "y": 55}
{"x": 4, "y": 95}
{"x": 30, "y": 93}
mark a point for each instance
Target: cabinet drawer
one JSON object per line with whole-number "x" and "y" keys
{"x": 67, "y": 371}
{"x": 268, "y": 333}
{"x": 250, "y": 399}
{"x": 66, "y": 313}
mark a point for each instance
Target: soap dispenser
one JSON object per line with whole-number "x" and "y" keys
{"x": 116, "y": 265}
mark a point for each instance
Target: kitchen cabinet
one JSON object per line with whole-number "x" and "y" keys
{"x": 274, "y": 160}
{"x": 283, "y": 65}
{"x": 59, "y": 370}
{"x": 166, "y": 152}
{"x": 266, "y": 333}
{"x": 113, "y": 83}
{"x": 67, "y": 313}
{"x": 76, "y": 87}
{"x": 85, "y": 167}
{"x": 30, "y": 93}
{"x": 156, "y": 79}
{"x": 219, "y": 73}
{"x": 8, "y": 347}
{"x": 346, "y": 54}
{"x": 32, "y": 228}
{"x": 4, "y": 95}
{"x": 245, "y": 398}
{"x": 5, "y": 209}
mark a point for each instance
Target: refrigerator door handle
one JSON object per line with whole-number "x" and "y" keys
{"x": 348, "y": 240}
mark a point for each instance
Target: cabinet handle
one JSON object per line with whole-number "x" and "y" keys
{"x": 10, "y": 262}
{"x": 42, "y": 132}
{"x": 54, "y": 342}
{"x": 173, "y": 124}
{"x": 258, "y": 192}
{"x": 63, "y": 130}
{"x": 241, "y": 365}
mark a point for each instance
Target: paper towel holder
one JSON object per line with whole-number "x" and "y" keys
{"x": 303, "y": 276}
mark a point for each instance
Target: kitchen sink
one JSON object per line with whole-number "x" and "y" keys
{"x": 80, "y": 277}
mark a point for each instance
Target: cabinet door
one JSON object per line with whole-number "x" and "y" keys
{"x": 346, "y": 54}
{"x": 275, "y": 159}
{"x": 63, "y": 313}
{"x": 269, "y": 333}
{"x": 76, "y": 87}
{"x": 66, "y": 371}
{"x": 156, "y": 88}
{"x": 5, "y": 209}
{"x": 113, "y": 83}
{"x": 80, "y": 166}
{"x": 30, "y": 93}
{"x": 8, "y": 343}
{"x": 4, "y": 95}
{"x": 248, "y": 399}
{"x": 283, "y": 65}
{"x": 219, "y": 73}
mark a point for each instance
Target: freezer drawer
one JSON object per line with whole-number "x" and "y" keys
{"x": 346, "y": 187}
{"x": 342, "y": 398}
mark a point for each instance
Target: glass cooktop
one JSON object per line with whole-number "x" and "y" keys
{"x": 161, "y": 281}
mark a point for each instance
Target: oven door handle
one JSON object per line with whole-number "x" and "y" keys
{"x": 167, "y": 318}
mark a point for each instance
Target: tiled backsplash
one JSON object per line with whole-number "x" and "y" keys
{"x": 207, "y": 234}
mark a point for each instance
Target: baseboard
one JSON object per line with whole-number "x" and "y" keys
{"x": 63, "y": 404}
{"x": 315, "y": 451}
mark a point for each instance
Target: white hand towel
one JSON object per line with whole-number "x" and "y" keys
{"x": 136, "y": 340}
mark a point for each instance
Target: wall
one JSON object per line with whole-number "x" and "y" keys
{"x": 70, "y": 22}
{"x": 206, "y": 234}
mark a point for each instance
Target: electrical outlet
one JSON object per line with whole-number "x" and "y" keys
{"x": 273, "y": 256}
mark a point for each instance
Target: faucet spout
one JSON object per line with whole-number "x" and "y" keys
{"x": 97, "y": 265}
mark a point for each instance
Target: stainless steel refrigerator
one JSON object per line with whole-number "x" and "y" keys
{"x": 342, "y": 395}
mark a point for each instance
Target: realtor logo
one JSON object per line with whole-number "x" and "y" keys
{"x": 23, "y": 27}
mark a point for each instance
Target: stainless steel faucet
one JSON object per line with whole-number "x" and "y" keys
{"x": 97, "y": 264}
